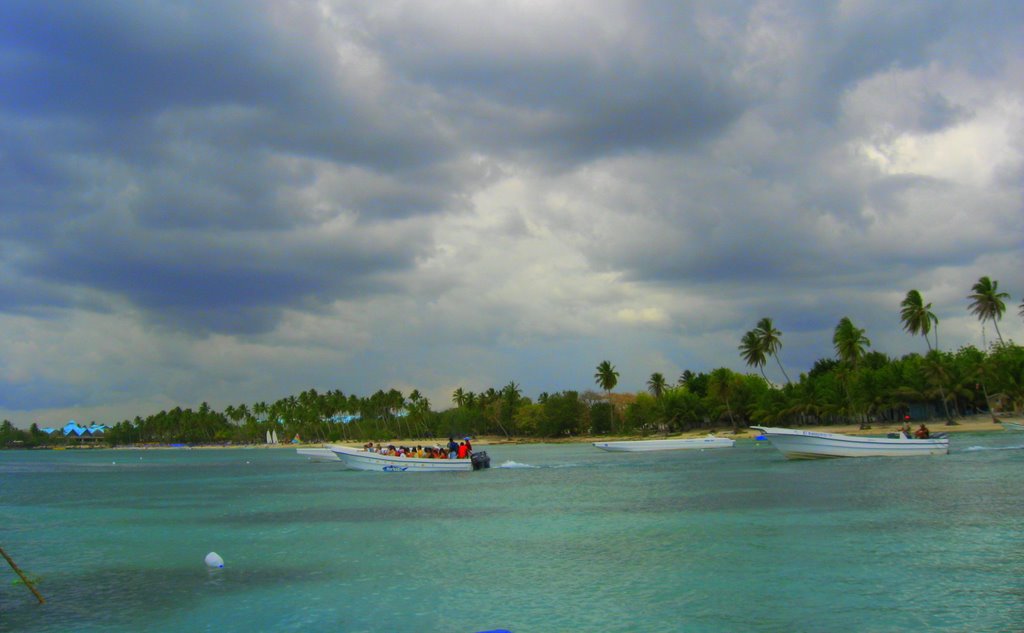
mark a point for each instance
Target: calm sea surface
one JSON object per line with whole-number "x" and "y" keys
{"x": 556, "y": 538}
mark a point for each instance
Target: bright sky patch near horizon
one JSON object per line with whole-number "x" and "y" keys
{"x": 236, "y": 201}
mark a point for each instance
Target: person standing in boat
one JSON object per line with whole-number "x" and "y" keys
{"x": 453, "y": 448}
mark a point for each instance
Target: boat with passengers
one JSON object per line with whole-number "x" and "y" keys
{"x": 364, "y": 459}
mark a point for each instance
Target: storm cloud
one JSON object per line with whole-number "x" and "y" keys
{"x": 235, "y": 201}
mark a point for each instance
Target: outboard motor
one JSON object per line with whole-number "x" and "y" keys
{"x": 480, "y": 460}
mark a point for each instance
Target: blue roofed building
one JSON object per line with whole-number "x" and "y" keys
{"x": 82, "y": 434}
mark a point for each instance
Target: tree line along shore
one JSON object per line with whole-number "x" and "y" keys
{"x": 858, "y": 387}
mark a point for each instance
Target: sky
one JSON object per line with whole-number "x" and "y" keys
{"x": 232, "y": 202}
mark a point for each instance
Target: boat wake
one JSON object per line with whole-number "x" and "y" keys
{"x": 512, "y": 464}
{"x": 995, "y": 448}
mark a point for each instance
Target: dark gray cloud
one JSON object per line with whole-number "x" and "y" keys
{"x": 565, "y": 88}
{"x": 389, "y": 194}
{"x": 162, "y": 154}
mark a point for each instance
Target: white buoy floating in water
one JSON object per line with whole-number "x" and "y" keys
{"x": 214, "y": 561}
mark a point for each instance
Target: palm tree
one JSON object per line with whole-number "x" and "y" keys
{"x": 685, "y": 378}
{"x": 511, "y": 394}
{"x": 418, "y": 409}
{"x": 850, "y": 345}
{"x": 606, "y": 378}
{"x": 770, "y": 341}
{"x": 849, "y": 342}
{"x": 722, "y": 385}
{"x": 917, "y": 318}
{"x": 656, "y": 385}
{"x": 987, "y": 302}
{"x": 752, "y": 352}
{"x": 459, "y": 397}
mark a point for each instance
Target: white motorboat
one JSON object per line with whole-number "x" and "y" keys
{"x": 318, "y": 454}
{"x": 1013, "y": 426}
{"x": 797, "y": 444}
{"x": 362, "y": 459}
{"x": 639, "y": 446}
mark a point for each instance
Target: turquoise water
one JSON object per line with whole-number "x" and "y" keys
{"x": 560, "y": 538}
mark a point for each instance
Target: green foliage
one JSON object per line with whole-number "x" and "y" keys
{"x": 564, "y": 415}
{"x": 644, "y": 414}
{"x": 529, "y": 419}
{"x": 858, "y": 385}
{"x": 601, "y": 418}
{"x": 1006, "y": 366}
{"x": 682, "y": 409}
{"x": 696, "y": 383}
{"x": 821, "y": 367}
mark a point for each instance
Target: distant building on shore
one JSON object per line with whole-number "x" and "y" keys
{"x": 76, "y": 432}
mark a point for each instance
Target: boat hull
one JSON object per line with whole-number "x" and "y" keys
{"x": 797, "y": 444}
{"x": 357, "y": 459}
{"x": 643, "y": 446}
{"x": 318, "y": 454}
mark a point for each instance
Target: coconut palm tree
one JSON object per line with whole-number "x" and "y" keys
{"x": 987, "y": 302}
{"x": 512, "y": 391}
{"x": 685, "y": 378}
{"x": 770, "y": 341}
{"x": 849, "y": 342}
{"x": 752, "y": 352}
{"x": 459, "y": 397}
{"x": 606, "y": 378}
{"x": 917, "y": 318}
{"x": 850, "y": 345}
{"x": 656, "y": 384}
{"x": 511, "y": 394}
{"x": 722, "y": 386}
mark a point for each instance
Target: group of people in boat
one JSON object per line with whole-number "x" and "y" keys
{"x": 453, "y": 450}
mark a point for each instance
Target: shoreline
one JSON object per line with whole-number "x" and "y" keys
{"x": 981, "y": 423}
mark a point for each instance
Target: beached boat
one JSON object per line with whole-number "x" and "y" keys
{"x": 1013, "y": 426}
{"x": 639, "y": 446}
{"x": 360, "y": 459}
{"x": 318, "y": 454}
{"x": 797, "y": 444}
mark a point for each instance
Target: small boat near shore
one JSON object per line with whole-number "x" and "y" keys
{"x": 642, "y": 446}
{"x": 798, "y": 444}
{"x": 361, "y": 459}
{"x": 1013, "y": 426}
